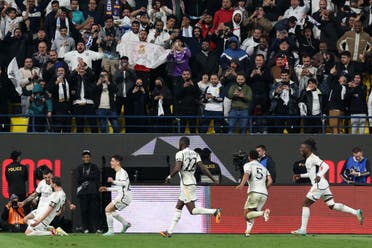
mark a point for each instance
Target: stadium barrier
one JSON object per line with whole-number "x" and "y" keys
{"x": 181, "y": 124}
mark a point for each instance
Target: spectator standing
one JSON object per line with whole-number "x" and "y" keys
{"x": 356, "y": 103}
{"x": 87, "y": 182}
{"x": 241, "y": 96}
{"x": 336, "y": 105}
{"x": 284, "y": 103}
{"x": 355, "y": 41}
{"x": 108, "y": 40}
{"x": 138, "y": 97}
{"x": 311, "y": 104}
{"x": 106, "y": 91}
{"x": 159, "y": 105}
{"x": 213, "y": 98}
{"x": 124, "y": 78}
{"x": 223, "y": 15}
{"x": 61, "y": 88}
{"x": 187, "y": 102}
{"x": 82, "y": 94}
{"x": 29, "y": 75}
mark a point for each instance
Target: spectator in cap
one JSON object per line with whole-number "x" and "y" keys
{"x": 16, "y": 175}
{"x": 87, "y": 181}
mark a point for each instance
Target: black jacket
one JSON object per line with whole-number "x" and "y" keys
{"x": 16, "y": 175}
{"x": 307, "y": 98}
{"x": 356, "y": 100}
{"x": 335, "y": 100}
{"x": 130, "y": 78}
{"x": 89, "y": 84}
{"x": 88, "y": 177}
{"x": 167, "y": 101}
{"x": 203, "y": 64}
{"x": 112, "y": 89}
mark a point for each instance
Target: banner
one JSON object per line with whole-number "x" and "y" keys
{"x": 143, "y": 53}
{"x": 13, "y": 75}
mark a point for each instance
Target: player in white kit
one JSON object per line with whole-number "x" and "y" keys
{"x": 44, "y": 189}
{"x": 186, "y": 162}
{"x": 259, "y": 180}
{"x": 121, "y": 185}
{"x": 39, "y": 225}
{"x": 316, "y": 169}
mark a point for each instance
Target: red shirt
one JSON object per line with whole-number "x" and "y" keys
{"x": 222, "y": 16}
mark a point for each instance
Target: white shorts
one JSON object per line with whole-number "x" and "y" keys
{"x": 188, "y": 193}
{"x": 255, "y": 201}
{"x": 315, "y": 194}
{"x": 121, "y": 202}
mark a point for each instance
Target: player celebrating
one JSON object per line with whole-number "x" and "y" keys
{"x": 121, "y": 185}
{"x": 316, "y": 169}
{"x": 39, "y": 225}
{"x": 186, "y": 162}
{"x": 259, "y": 180}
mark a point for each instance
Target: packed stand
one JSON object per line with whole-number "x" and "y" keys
{"x": 262, "y": 66}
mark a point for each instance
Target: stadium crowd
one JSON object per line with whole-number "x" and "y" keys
{"x": 300, "y": 61}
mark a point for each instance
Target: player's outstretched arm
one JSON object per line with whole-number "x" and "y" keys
{"x": 175, "y": 170}
{"x": 205, "y": 170}
{"x": 28, "y": 199}
{"x": 243, "y": 181}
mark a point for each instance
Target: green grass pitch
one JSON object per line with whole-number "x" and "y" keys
{"x": 186, "y": 240}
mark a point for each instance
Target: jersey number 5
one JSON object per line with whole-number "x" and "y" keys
{"x": 259, "y": 174}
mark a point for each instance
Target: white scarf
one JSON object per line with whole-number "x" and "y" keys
{"x": 285, "y": 96}
{"x": 58, "y": 25}
{"x": 61, "y": 95}
{"x": 160, "y": 107}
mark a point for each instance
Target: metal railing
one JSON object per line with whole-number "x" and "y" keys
{"x": 178, "y": 124}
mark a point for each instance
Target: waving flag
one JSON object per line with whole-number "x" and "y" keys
{"x": 143, "y": 53}
{"x": 13, "y": 75}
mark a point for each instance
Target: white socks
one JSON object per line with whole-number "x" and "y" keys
{"x": 110, "y": 222}
{"x": 305, "y": 218}
{"x": 119, "y": 218}
{"x": 203, "y": 211}
{"x": 343, "y": 208}
{"x": 254, "y": 214}
{"x": 249, "y": 226}
{"x": 176, "y": 218}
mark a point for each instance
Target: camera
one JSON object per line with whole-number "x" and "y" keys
{"x": 240, "y": 158}
{"x": 15, "y": 204}
{"x": 240, "y": 88}
{"x": 38, "y": 100}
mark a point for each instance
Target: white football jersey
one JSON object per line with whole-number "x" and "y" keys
{"x": 56, "y": 200}
{"x": 313, "y": 163}
{"x": 45, "y": 190}
{"x": 121, "y": 184}
{"x": 189, "y": 159}
{"x": 257, "y": 177}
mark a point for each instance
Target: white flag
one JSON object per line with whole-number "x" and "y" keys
{"x": 13, "y": 75}
{"x": 143, "y": 53}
